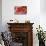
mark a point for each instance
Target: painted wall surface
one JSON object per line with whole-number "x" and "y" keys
{"x": 34, "y": 14}
{"x": 43, "y": 6}
{"x": 0, "y": 15}
{"x": 33, "y": 11}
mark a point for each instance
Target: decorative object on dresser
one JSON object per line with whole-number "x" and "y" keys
{"x": 13, "y": 21}
{"x": 22, "y": 33}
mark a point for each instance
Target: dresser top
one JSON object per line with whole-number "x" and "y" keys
{"x": 19, "y": 23}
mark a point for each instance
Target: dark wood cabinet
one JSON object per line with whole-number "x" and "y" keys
{"x": 22, "y": 33}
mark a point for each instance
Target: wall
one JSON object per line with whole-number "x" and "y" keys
{"x": 34, "y": 14}
{"x": 8, "y": 11}
{"x": 43, "y": 6}
{"x": 43, "y": 14}
{"x": 0, "y": 15}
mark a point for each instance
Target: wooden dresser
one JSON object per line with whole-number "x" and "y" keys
{"x": 22, "y": 33}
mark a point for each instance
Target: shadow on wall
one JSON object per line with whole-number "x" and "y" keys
{"x": 0, "y": 23}
{"x": 0, "y": 15}
{"x": 43, "y": 6}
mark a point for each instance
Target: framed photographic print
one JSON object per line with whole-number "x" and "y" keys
{"x": 20, "y": 10}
